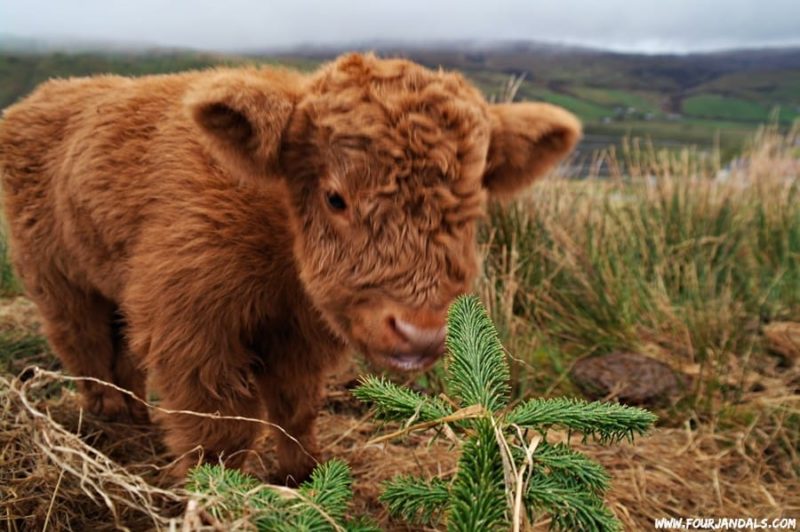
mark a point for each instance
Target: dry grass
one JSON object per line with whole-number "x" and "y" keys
{"x": 62, "y": 471}
{"x": 670, "y": 257}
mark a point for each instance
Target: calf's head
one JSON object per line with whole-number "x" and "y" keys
{"x": 388, "y": 167}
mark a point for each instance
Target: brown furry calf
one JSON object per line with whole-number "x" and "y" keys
{"x": 231, "y": 232}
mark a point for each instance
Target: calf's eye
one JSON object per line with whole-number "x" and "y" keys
{"x": 336, "y": 201}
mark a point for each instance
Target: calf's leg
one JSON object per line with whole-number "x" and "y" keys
{"x": 77, "y": 323}
{"x": 292, "y": 395}
{"x": 204, "y": 381}
{"x": 128, "y": 372}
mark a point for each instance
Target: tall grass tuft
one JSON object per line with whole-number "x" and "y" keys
{"x": 672, "y": 255}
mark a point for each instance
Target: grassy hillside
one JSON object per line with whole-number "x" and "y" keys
{"x": 696, "y": 99}
{"x": 20, "y": 72}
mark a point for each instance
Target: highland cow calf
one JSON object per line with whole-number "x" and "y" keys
{"x": 231, "y": 233}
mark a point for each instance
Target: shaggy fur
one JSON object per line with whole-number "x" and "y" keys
{"x": 229, "y": 233}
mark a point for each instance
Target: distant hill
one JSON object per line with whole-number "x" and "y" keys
{"x": 569, "y": 64}
{"x": 694, "y": 98}
{"x": 687, "y": 97}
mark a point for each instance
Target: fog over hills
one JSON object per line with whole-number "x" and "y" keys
{"x": 12, "y": 42}
{"x": 235, "y": 25}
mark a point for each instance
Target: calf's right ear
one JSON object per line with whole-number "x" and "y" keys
{"x": 242, "y": 117}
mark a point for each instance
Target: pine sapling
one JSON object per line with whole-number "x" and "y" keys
{"x": 508, "y": 473}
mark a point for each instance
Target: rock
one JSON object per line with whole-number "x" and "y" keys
{"x": 629, "y": 377}
{"x": 783, "y": 339}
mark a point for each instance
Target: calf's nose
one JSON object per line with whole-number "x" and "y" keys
{"x": 427, "y": 339}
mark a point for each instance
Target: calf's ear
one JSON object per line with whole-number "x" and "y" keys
{"x": 241, "y": 116}
{"x": 527, "y": 140}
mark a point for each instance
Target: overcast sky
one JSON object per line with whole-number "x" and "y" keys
{"x": 229, "y": 25}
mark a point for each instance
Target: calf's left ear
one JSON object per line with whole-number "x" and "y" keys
{"x": 241, "y": 117}
{"x": 528, "y": 139}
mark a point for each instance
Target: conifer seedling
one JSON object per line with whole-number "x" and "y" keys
{"x": 509, "y": 475}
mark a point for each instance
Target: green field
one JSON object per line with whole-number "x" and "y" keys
{"x": 781, "y": 86}
{"x": 588, "y": 111}
{"x": 716, "y": 106}
{"x": 641, "y": 102}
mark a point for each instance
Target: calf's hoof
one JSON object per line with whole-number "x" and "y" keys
{"x": 295, "y": 472}
{"x": 106, "y": 403}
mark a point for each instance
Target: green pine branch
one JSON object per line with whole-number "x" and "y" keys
{"x": 559, "y": 459}
{"x": 478, "y": 500}
{"x": 477, "y": 372}
{"x": 608, "y": 422}
{"x": 318, "y": 505}
{"x": 227, "y": 490}
{"x": 328, "y": 490}
{"x": 570, "y": 506}
{"x": 396, "y": 403}
{"x": 415, "y": 500}
{"x": 503, "y": 475}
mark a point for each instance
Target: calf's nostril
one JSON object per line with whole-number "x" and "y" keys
{"x": 424, "y": 338}
{"x": 391, "y": 323}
